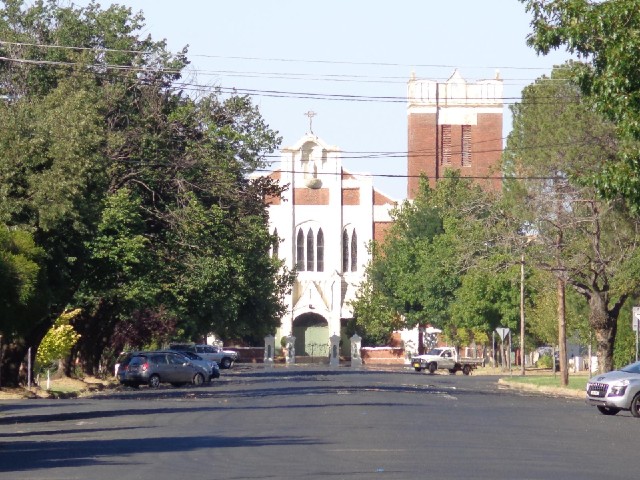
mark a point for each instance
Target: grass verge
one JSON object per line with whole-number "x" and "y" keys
{"x": 575, "y": 382}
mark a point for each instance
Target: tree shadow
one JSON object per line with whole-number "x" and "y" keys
{"x": 36, "y": 455}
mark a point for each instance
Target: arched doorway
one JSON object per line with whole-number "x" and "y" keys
{"x": 312, "y": 336}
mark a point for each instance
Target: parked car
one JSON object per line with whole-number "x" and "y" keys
{"x": 154, "y": 368}
{"x": 224, "y": 358}
{"x": 211, "y": 367}
{"x": 617, "y": 390}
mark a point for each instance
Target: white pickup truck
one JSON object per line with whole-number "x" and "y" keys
{"x": 445, "y": 358}
{"x": 224, "y": 358}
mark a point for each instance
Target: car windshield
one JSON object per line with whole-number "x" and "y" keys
{"x": 632, "y": 368}
{"x": 434, "y": 351}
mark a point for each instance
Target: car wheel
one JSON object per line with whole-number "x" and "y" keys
{"x": 635, "y": 406}
{"x": 466, "y": 369}
{"x": 226, "y": 362}
{"x": 417, "y": 369}
{"x": 433, "y": 367}
{"x": 609, "y": 410}
{"x": 198, "y": 379}
{"x": 154, "y": 381}
{"x": 452, "y": 371}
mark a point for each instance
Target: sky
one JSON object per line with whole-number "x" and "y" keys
{"x": 348, "y": 61}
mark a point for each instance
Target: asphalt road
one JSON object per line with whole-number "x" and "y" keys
{"x": 317, "y": 423}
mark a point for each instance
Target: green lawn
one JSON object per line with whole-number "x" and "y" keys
{"x": 575, "y": 382}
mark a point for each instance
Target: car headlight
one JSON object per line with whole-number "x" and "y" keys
{"x": 618, "y": 389}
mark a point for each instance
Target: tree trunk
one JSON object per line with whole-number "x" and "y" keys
{"x": 14, "y": 359}
{"x": 605, "y": 327}
{"x": 95, "y": 329}
{"x": 562, "y": 333}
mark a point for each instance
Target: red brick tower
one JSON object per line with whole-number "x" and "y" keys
{"x": 454, "y": 124}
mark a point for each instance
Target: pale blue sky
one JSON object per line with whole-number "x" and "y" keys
{"x": 347, "y": 47}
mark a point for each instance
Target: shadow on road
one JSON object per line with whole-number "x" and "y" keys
{"x": 36, "y": 455}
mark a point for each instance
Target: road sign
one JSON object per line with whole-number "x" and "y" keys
{"x": 636, "y": 318}
{"x": 503, "y": 332}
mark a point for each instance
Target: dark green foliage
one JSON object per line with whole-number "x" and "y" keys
{"x": 138, "y": 196}
{"x": 431, "y": 269}
{"x": 606, "y": 36}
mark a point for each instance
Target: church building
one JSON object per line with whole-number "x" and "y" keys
{"x": 328, "y": 215}
{"x": 326, "y": 219}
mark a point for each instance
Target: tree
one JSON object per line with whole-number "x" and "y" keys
{"x": 587, "y": 243}
{"x": 58, "y": 342}
{"x": 139, "y": 196}
{"x": 605, "y": 36}
{"x": 416, "y": 275}
{"x": 23, "y": 294}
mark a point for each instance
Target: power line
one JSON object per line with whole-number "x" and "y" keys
{"x": 276, "y": 75}
{"x": 262, "y": 93}
{"x": 282, "y": 60}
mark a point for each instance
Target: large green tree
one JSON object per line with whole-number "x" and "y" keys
{"x": 417, "y": 274}
{"x": 586, "y": 242}
{"x": 138, "y": 195}
{"x": 605, "y": 35}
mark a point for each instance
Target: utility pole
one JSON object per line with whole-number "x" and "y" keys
{"x": 522, "y": 314}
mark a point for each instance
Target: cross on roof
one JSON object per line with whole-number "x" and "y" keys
{"x": 310, "y": 114}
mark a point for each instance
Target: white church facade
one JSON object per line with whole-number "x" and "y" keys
{"x": 325, "y": 219}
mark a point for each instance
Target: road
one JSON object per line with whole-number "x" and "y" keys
{"x": 317, "y": 423}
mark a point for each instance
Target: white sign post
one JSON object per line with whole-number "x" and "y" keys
{"x": 504, "y": 332}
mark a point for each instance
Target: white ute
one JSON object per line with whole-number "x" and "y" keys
{"x": 445, "y": 358}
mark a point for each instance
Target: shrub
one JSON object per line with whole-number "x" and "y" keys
{"x": 545, "y": 361}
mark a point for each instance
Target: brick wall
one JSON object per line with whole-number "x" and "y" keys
{"x": 248, "y": 354}
{"x": 382, "y": 355}
{"x": 380, "y": 230}
{"x": 486, "y": 149}
{"x": 310, "y": 196}
{"x": 351, "y": 196}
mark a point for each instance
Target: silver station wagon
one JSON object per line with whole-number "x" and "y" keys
{"x": 617, "y": 390}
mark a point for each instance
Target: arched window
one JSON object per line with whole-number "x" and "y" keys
{"x": 354, "y": 251}
{"x": 300, "y": 251}
{"x": 310, "y": 251}
{"x": 320, "y": 251}
{"x": 345, "y": 251}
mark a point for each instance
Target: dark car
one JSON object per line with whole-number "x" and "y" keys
{"x": 154, "y": 368}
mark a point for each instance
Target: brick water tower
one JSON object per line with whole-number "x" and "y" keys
{"x": 454, "y": 124}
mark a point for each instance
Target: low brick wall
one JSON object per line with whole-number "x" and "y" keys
{"x": 370, "y": 356}
{"x": 248, "y": 354}
{"x": 382, "y": 355}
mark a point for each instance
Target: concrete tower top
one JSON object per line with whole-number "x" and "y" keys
{"x": 425, "y": 95}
